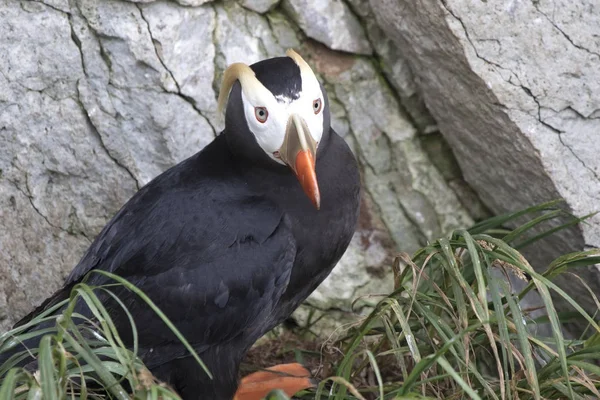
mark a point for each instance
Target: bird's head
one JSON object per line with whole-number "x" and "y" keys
{"x": 277, "y": 112}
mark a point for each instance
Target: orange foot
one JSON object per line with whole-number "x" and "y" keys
{"x": 290, "y": 378}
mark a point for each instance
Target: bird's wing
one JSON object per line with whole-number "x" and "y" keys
{"x": 215, "y": 264}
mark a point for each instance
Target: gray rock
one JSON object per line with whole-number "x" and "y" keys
{"x": 186, "y": 3}
{"x": 259, "y": 6}
{"x": 58, "y": 185}
{"x": 191, "y": 60}
{"x": 414, "y": 202}
{"x": 514, "y": 88}
{"x": 97, "y": 98}
{"x": 395, "y": 66}
{"x": 245, "y": 36}
{"x": 331, "y": 23}
{"x": 68, "y": 96}
{"x": 397, "y": 170}
{"x": 134, "y": 90}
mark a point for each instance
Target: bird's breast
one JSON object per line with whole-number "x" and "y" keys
{"x": 322, "y": 237}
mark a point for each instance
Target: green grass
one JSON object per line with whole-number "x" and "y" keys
{"x": 81, "y": 357}
{"x": 452, "y": 328}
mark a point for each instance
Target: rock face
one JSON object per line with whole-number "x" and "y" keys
{"x": 260, "y": 6}
{"x": 331, "y": 23}
{"x": 114, "y": 92}
{"x": 98, "y": 97}
{"x": 515, "y": 89}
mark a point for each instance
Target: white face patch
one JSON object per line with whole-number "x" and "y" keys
{"x": 271, "y": 133}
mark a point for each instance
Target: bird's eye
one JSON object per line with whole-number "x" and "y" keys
{"x": 261, "y": 114}
{"x": 317, "y": 106}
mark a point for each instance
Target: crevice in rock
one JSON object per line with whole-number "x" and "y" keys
{"x": 563, "y": 33}
{"x": 89, "y": 121}
{"x": 421, "y": 236}
{"x": 526, "y": 89}
{"x": 407, "y": 112}
{"x": 494, "y": 64}
{"x": 43, "y": 91}
{"x": 377, "y": 60}
{"x": 556, "y": 130}
{"x": 330, "y": 87}
{"x": 51, "y": 6}
{"x": 5, "y": 77}
{"x": 268, "y": 20}
{"x": 364, "y": 163}
{"x": 218, "y": 53}
{"x": 468, "y": 36}
{"x": 177, "y": 2}
{"x": 261, "y": 43}
{"x": 155, "y": 45}
{"x": 97, "y": 134}
{"x": 29, "y": 197}
{"x": 39, "y": 91}
{"x": 523, "y": 87}
{"x": 77, "y": 43}
{"x": 187, "y": 99}
{"x": 191, "y": 101}
{"x": 105, "y": 57}
{"x": 572, "y": 151}
{"x": 294, "y": 25}
{"x": 579, "y": 114}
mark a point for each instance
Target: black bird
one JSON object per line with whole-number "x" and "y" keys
{"x": 231, "y": 240}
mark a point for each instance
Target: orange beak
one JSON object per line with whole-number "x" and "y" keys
{"x": 299, "y": 151}
{"x": 305, "y": 172}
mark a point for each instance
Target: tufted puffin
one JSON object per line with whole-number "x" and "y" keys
{"x": 230, "y": 241}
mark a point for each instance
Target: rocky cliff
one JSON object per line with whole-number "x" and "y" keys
{"x": 99, "y": 96}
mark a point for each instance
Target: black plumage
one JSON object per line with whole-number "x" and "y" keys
{"x": 227, "y": 244}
